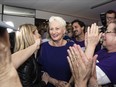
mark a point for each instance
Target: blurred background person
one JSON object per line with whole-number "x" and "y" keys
{"x": 110, "y": 17}
{"x": 69, "y": 33}
{"x": 79, "y": 32}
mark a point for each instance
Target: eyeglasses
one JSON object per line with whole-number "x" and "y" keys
{"x": 106, "y": 32}
{"x": 111, "y": 18}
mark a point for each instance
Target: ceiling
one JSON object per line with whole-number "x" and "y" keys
{"x": 74, "y": 8}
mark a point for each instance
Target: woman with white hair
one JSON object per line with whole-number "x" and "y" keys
{"x": 53, "y": 54}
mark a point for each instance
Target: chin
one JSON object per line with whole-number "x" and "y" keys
{"x": 55, "y": 40}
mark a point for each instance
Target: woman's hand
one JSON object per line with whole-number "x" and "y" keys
{"x": 57, "y": 83}
{"x": 45, "y": 77}
{"x": 37, "y": 39}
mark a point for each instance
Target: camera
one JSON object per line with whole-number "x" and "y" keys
{"x": 103, "y": 21}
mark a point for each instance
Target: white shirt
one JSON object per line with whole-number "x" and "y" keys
{"x": 101, "y": 77}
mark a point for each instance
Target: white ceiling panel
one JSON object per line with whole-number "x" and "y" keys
{"x": 76, "y": 8}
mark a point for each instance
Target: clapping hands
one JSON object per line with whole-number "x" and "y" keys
{"x": 81, "y": 66}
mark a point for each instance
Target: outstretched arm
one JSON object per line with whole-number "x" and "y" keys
{"x": 21, "y": 56}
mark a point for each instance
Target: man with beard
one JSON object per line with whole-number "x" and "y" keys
{"x": 79, "y": 30}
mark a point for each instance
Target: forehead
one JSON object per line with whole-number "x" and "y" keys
{"x": 55, "y": 24}
{"x": 76, "y": 24}
{"x": 111, "y": 26}
{"x": 110, "y": 15}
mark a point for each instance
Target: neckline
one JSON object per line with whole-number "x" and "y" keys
{"x": 53, "y": 45}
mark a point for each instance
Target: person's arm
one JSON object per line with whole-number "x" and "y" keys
{"x": 57, "y": 83}
{"x": 10, "y": 78}
{"x": 80, "y": 65}
{"x": 91, "y": 40}
{"x": 8, "y": 74}
{"x": 21, "y": 56}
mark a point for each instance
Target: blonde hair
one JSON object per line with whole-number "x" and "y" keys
{"x": 24, "y": 37}
{"x": 58, "y": 19}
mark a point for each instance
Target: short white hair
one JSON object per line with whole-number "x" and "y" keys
{"x": 58, "y": 19}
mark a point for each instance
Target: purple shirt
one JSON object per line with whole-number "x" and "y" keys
{"x": 82, "y": 44}
{"x": 107, "y": 62}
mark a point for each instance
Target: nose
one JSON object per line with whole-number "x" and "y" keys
{"x": 53, "y": 31}
{"x": 74, "y": 29}
{"x": 103, "y": 34}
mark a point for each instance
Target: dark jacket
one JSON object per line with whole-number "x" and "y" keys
{"x": 30, "y": 74}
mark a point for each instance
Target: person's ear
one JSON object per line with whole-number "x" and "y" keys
{"x": 83, "y": 28}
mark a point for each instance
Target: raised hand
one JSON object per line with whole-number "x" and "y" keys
{"x": 80, "y": 64}
{"x": 92, "y": 36}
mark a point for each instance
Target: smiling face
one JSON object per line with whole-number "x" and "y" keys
{"x": 56, "y": 31}
{"x": 109, "y": 37}
{"x": 77, "y": 29}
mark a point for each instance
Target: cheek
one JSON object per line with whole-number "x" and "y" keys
{"x": 50, "y": 32}
{"x": 109, "y": 39}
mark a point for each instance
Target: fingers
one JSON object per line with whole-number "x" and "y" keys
{"x": 83, "y": 56}
{"x": 62, "y": 83}
{"x": 72, "y": 63}
{"x": 72, "y": 58}
{"x": 93, "y": 30}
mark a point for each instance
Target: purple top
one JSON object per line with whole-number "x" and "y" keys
{"x": 82, "y": 44}
{"x": 107, "y": 63}
{"x": 54, "y": 61}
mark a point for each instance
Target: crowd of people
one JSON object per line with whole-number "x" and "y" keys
{"x": 59, "y": 62}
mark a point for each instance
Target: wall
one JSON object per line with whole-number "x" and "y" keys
{"x": 47, "y": 15}
{"x": 0, "y": 11}
{"x": 18, "y": 20}
{"x": 42, "y": 15}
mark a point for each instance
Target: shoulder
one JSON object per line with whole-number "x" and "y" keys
{"x": 45, "y": 44}
{"x": 70, "y": 43}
